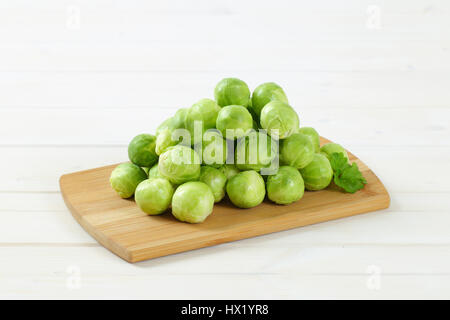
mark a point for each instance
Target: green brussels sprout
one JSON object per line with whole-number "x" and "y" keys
{"x": 154, "y": 196}
{"x": 204, "y": 112}
{"x": 166, "y": 134}
{"x": 141, "y": 150}
{"x": 168, "y": 124}
{"x": 179, "y": 118}
{"x": 235, "y": 119}
{"x": 164, "y": 141}
{"x": 279, "y": 116}
{"x": 246, "y": 189}
{"x": 154, "y": 172}
{"x": 255, "y": 151}
{"x": 214, "y": 149}
{"x": 175, "y": 122}
{"x": 146, "y": 170}
{"x": 312, "y": 134}
{"x": 318, "y": 173}
{"x": 215, "y": 180}
{"x": 229, "y": 170}
{"x": 296, "y": 151}
{"x": 125, "y": 178}
{"x": 232, "y": 91}
{"x": 263, "y": 94}
{"x": 286, "y": 186}
{"x": 329, "y": 148}
{"x": 192, "y": 202}
{"x": 179, "y": 164}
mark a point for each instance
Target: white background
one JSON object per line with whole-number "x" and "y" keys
{"x": 78, "y": 79}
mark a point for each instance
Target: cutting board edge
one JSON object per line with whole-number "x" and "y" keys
{"x": 380, "y": 202}
{"x": 104, "y": 240}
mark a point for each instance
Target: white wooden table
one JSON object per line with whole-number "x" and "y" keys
{"x": 78, "y": 79}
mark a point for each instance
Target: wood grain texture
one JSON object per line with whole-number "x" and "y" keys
{"x": 120, "y": 226}
{"x": 382, "y": 93}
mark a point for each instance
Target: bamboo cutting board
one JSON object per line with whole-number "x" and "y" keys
{"x": 120, "y": 226}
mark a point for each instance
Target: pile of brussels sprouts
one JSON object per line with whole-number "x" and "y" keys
{"x": 241, "y": 145}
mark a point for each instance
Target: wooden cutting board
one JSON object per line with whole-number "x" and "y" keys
{"x": 120, "y": 226}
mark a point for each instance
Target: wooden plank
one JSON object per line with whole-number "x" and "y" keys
{"x": 295, "y": 272}
{"x": 139, "y": 91}
{"x": 49, "y": 224}
{"x": 423, "y": 174}
{"x": 122, "y": 228}
{"x": 31, "y": 202}
{"x": 50, "y": 229}
{"x": 105, "y": 126}
{"x": 390, "y": 68}
{"x": 403, "y": 204}
{"x": 41, "y": 228}
{"x": 59, "y": 24}
{"x": 308, "y": 56}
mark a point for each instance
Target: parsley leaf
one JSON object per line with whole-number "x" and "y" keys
{"x": 338, "y": 162}
{"x": 346, "y": 176}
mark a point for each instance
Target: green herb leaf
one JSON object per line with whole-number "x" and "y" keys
{"x": 351, "y": 179}
{"x": 338, "y": 162}
{"x": 346, "y": 176}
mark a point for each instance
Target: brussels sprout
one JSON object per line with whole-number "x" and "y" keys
{"x": 166, "y": 137}
{"x": 204, "y": 111}
{"x": 229, "y": 170}
{"x": 330, "y": 148}
{"x": 154, "y": 196}
{"x": 312, "y": 134}
{"x": 154, "y": 172}
{"x": 318, "y": 173}
{"x": 179, "y": 118}
{"x": 246, "y": 189}
{"x": 279, "y": 116}
{"x": 263, "y": 94}
{"x": 215, "y": 180}
{"x": 146, "y": 170}
{"x": 125, "y": 178}
{"x": 236, "y": 119}
{"x": 141, "y": 150}
{"x": 214, "y": 149}
{"x": 164, "y": 141}
{"x": 168, "y": 124}
{"x": 179, "y": 164}
{"x": 286, "y": 186}
{"x": 296, "y": 151}
{"x": 232, "y": 91}
{"x": 175, "y": 122}
{"x": 255, "y": 151}
{"x": 192, "y": 202}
